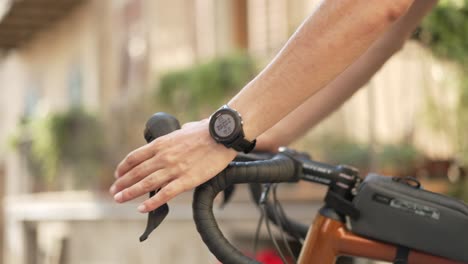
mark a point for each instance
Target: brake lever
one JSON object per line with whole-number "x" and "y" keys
{"x": 155, "y": 218}
{"x": 158, "y": 125}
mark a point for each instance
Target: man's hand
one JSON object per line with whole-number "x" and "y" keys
{"x": 176, "y": 162}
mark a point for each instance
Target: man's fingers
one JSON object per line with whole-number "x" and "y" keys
{"x": 189, "y": 124}
{"x": 134, "y": 158}
{"x": 150, "y": 183}
{"x": 135, "y": 175}
{"x": 169, "y": 191}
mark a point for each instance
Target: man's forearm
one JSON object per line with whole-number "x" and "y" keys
{"x": 347, "y": 83}
{"x": 327, "y": 43}
{"x": 324, "y": 46}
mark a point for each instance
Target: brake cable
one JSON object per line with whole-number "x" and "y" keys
{"x": 270, "y": 235}
{"x": 263, "y": 205}
{"x": 293, "y": 232}
{"x": 257, "y": 232}
{"x": 277, "y": 216}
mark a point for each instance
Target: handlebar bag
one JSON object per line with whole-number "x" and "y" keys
{"x": 394, "y": 211}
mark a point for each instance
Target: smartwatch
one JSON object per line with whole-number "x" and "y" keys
{"x": 226, "y": 128}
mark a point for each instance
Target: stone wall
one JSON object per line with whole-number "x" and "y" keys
{"x": 82, "y": 227}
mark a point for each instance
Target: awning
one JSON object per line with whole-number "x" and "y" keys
{"x": 21, "y": 19}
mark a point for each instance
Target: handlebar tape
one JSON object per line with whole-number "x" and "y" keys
{"x": 279, "y": 169}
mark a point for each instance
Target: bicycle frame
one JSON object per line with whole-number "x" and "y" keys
{"x": 328, "y": 238}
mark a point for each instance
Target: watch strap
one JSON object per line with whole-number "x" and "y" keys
{"x": 242, "y": 144}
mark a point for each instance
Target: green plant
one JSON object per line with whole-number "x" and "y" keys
{"x": 398, "y": 158}
{"x": 444, "y": 32}
{"x": 72, "y": 140}
{"x": 458, "y": 189}
{"x": 205, "y": 84}
{"x": 395, "y": 159}
{"x": 340, "y": 150}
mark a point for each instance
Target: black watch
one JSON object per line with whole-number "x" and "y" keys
{"x": 226, "y": 128}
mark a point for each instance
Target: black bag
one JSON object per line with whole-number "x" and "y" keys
{"x": 398, "y": 211}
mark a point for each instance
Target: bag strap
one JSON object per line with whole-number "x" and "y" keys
{"x": 341, "y": 205}
{"x": 401, "y": 256}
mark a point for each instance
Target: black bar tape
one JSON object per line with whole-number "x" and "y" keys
{"x": 279, "y": 169}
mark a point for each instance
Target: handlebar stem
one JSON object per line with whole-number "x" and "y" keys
{"x": 337, "y": 177}
{"x": 342, "y": 181}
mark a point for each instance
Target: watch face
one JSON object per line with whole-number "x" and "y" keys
{"x": 224, "y": 125}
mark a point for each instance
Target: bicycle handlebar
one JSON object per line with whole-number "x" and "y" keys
{"x": 280, "y": 168}
{"x": 287, "y": 166}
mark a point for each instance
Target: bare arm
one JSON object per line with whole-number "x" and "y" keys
{"x": 324, "y": 102}
{"x": 328, "y": 41}
{"x": 325, "y": 45}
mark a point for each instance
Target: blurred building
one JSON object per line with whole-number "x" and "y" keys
{"x": 102, "y": 55}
